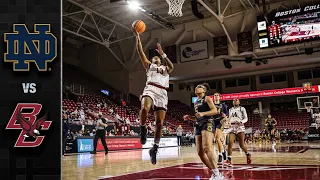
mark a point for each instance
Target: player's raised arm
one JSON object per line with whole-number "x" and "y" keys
{"x": 167, "y": 61}
{"x": 145, "y": 62}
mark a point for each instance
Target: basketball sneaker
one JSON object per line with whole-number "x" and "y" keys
{"x": 153, "y": 154}
{"x": 228, "y": 163}
{"x": 220, "y": 160}
{"x": 143, "y": 134}
{"x": 218, "y": 176}
{"x": 224, "y": 154}
{"x": 248, "y": 158}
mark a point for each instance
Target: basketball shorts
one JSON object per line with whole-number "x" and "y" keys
{"x": 159, "y": 97}
{"x": 235, "y": 129}
{"x": 270, "y": 127}
{"x": 204, "y": 126}
{"x": 217, "y": 124}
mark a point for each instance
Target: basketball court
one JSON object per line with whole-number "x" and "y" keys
{"x": 302, "y": 32}
{"x": 284, "y": 161}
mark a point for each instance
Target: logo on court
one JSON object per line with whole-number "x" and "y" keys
{"x": 29, "y": 124}
{"x": 24, "y": 47}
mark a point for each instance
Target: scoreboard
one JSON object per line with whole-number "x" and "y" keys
{"x": 296, "y": 25}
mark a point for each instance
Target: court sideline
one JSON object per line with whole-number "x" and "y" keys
{"x": 285, "y": 161}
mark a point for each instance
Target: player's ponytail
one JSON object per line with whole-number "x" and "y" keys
{"x": 207, "y": 86}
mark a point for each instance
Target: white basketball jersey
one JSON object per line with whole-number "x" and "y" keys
{"x": 316, "y": 117}
{"x": 237, "y": 114}
{"x": 158, "y": 75}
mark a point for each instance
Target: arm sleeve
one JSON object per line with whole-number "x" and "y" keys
{"x": 244, "y": 115}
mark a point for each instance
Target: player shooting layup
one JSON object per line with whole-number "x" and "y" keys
{"x": 154, "y": 94}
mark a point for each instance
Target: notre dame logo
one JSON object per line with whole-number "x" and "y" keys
{"x": 24, "y": 47}
{"x": 209, "y": 126}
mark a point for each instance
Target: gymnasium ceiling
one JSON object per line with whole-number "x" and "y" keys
{"x": 120, "y": 13}
{"x": 107, "y": 22}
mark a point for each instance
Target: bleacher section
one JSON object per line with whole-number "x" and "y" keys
{"x": 286, "y": 118}
{"x": 291, "y": 119}
{"x": 132, "y": 111}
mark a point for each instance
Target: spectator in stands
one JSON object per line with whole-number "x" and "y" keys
{"x": 110, "y": 110}
{"x": 66, "y": 127}
{"x": 100, "y": 134}
{"x": 70, "y": 136}
{"x": 164, "y": 130}
{"x": 290, "y": 134}
{"x": 93, "y": 132}
{"x": 78, "y": 133}
{"x": 75, "y": 112}
{"x": 277, "y": 135}
{"x": 64, "y": 110}
{"x": 150, "y": 128}
{"x": 132, "y": 133}
{"x": 192, "y": 137}
{"x": 67, "y": 112}
{"x": 87, "y": 133}
{"x": 90, "y": 121}
{"x": 82, "y": 117}
{"x": 188, "y": 135}
{"x": 112, "y": 132}
{"x": 119, "y": 118}
{"x": 179, "y": 134}
{"x": 128, "y": 121}
{"x": 138, "y": 120}
{"x": 81, "y": 112}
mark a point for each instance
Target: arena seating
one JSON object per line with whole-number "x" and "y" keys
{"x": 253, "y": 120}
{"x": 290, "y": 118}
{"x": 287, "y": 118}
{"x": 91, "y": 102}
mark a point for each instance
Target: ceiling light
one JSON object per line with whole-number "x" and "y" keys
{"x": 134, "y": 5}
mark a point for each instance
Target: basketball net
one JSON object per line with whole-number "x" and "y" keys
{"x": 175, "y": 7}
{"x": 308, "y": 108}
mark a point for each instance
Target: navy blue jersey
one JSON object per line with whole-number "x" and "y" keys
{"x": 221, "y": 108}
{"x": 200, "y": 105}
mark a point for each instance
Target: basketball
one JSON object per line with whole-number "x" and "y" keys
{"x": 140, "y": 26}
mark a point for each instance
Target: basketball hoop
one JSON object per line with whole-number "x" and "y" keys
{"x": 175, "y": 7}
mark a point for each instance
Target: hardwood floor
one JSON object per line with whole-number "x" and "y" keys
{"x": 285, "y": 161}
